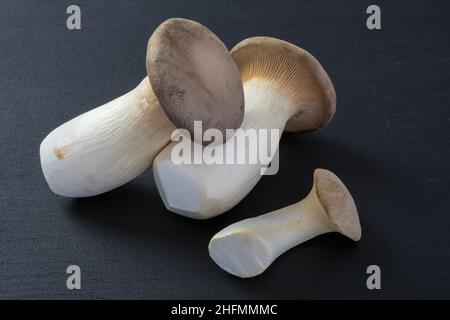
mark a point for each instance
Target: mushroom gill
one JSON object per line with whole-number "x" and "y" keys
{"x": 292, "y": 72}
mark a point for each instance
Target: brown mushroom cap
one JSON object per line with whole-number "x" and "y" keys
{"x": 294, "y": 73}
{"x": 338, "y": 203}
{"x": 194, "y": 77}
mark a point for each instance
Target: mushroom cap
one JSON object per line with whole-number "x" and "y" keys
{"x": 294, "y": 73}
{"x": 194, "y": 77}
{"x": 338, "y": 203}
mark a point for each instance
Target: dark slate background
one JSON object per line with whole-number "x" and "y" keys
{"x": 389, "y": 142}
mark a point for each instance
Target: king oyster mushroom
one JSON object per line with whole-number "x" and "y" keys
{"x": 246, "y": 248}
{"x": 108, "y": 146}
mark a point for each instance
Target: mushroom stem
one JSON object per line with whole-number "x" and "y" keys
{"x": 106, "y": 147}
{"x": 203, "y": 191}
{"x": 299, "y": 222}
{"x": 246, "y": 248}
{"x": 266, "y": 108}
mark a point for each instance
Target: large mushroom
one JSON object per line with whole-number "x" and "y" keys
{"x": 194, "y": 77}
{"x": 285, "y": 88}
{"x": 108, "y": 146}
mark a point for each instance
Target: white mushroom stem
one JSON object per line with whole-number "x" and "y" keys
{"x": 106, "y": 147}
{"x": 246, "y": 248}
{"x": 203, "y": 191}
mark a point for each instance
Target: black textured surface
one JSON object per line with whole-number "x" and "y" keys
{"x": 389, "y": 142}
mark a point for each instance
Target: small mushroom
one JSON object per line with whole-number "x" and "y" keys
{"x": 106, "y": 147}
{"x": 246, "y": 248}
{"x": 285, "y": 88}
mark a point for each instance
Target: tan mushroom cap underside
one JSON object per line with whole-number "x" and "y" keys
{"x": 338, "y": 203}
{"x": 194, "y": 77}
{"x": 294, "y": 73}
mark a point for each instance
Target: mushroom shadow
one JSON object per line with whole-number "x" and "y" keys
{"x": 300, "y": 155}
{"x": 135, "y": 212}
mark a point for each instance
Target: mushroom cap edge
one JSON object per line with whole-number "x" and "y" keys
{"x": 299, "y": 56}
{"x": 338, "y": 203}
